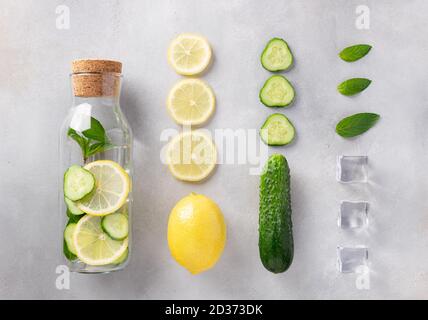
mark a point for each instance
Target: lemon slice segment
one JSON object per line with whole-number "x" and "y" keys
{"x": 191, "y": 156}
{"x": 111, "y": 189}
{"x": 93, "y": 246}
{"x": 191, "y": 102}
{"x": 189, "y": 54}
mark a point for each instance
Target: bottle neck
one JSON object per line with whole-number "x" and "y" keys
{"x": 107, "y": 102}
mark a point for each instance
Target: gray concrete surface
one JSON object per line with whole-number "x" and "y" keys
{"x": 35, "y": 96}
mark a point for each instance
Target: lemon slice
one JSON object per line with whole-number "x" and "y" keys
{"x": 111, "y": 189}
{"x": 191, "y": 156}
{"x": 93, "y": 246}
{"x": 191, "y": 102}
{"x": 189, "y": 54}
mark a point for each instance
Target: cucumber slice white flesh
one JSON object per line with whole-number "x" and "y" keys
{"x": 72, "y": 207}
{"x": 277, "y": 92}
{"x": 115, "y": 225}
{"x": 277, "y": 55}
{"x": 123, "y": 257}
{"x": 68, "y": 237}
{"x": 78, "y": 182}
{"x": 277, "y": 130}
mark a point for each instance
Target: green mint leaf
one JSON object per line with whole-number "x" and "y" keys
{"x": 94, "y": 148}
{"x": 354, "y": 53}
{"x": 97, "y": 147}
{"x": 107, "y": 146}
{"x": 94, "y": 139}
{"x": 353, "y": 86}
{"x": 73, "y": 218}
{"x": 356, "y": 124}
{"x": 96, "y": 132}
{"x": 81, "y": 141}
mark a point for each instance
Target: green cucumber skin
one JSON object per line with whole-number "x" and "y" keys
{"x": 276, "y": 246}
{"x": 267, "y": 122}
{"x": 66, "y": 250}
{"x": 67, "y": 253}
{"x": 267, "y": 47}
{"x": 277, "y": 106}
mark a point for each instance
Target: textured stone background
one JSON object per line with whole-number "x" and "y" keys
{"x": 35, "y": 97}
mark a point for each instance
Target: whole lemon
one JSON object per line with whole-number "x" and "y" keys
{"x": 196, "y": 233}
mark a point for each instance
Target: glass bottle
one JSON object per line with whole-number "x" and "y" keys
{"x": 97, "y": 138}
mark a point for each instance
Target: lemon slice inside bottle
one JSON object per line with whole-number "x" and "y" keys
{"x": 93, "y": 246}
{"x": 112, "y": 185}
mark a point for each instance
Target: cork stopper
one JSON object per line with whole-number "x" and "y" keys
{"x": 96, "y": 78}
{"x": 96, "y": 66}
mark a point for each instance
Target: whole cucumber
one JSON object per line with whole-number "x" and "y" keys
{"x": 275, "y": 227}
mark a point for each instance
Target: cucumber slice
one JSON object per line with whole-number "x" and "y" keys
{"x": 70, "y": 256}
{"x": 78, "y": 182}
{"x": 115, "y": 225}
{"x": 277, "y": 92}
{"x": 68, "y": 237}
{"x": 123, "y": 257}
{"x": 72, "y": 207}
{"x": 277, "y": 55}
{"x": 277, "y": 130}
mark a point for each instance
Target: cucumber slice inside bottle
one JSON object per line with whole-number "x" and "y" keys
{"x": 277, "y": 55}
{"x": 277, "y": 130}
{"x": 72, "y": 207}
{"x": 78, "y": 182}
{"x": 68, "y": 237}
{"x": 115, "y": 225}
{"x": 70, "y": 256}
{"x": 277, "y": 92}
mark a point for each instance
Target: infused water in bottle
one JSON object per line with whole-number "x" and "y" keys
{"x": 96, "y": 171}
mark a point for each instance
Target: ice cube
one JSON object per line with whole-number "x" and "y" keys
{"x": 351, "y": 169}
{"x": 350, "y": 259}
{"x": 353, "y": 214}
